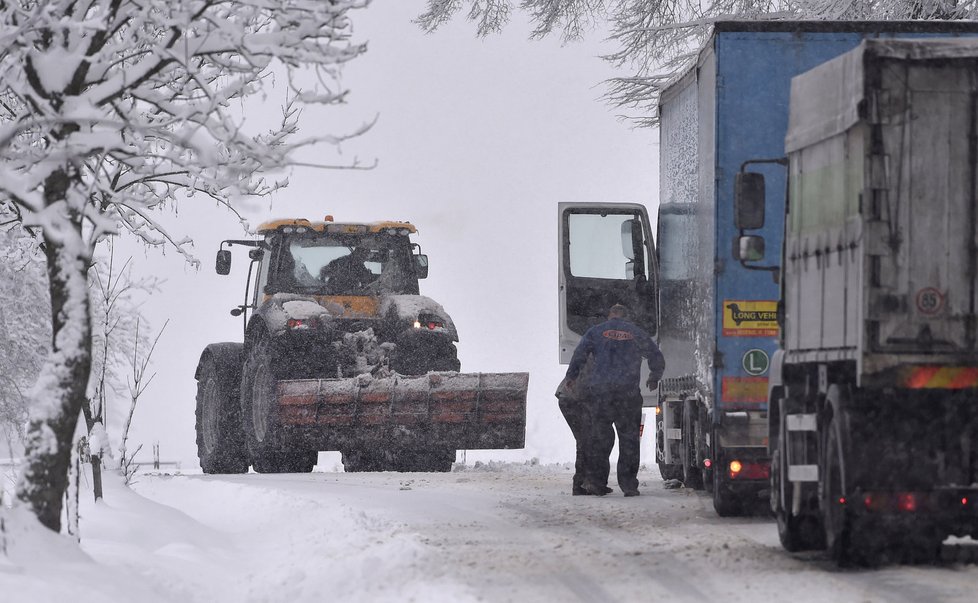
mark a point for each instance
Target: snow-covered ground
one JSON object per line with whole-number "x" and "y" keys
{"x": 489, "y": 532}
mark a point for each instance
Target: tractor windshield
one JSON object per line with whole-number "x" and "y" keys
{"x": 338, "y": 265}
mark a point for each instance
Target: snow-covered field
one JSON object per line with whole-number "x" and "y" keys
{"x": 489, "y": 532}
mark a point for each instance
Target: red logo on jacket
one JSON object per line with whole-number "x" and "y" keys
{"x": 617, "y": 335}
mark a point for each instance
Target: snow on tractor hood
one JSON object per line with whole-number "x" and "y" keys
{"x": 283, "y": 307}
{"x": 411, "y": 308}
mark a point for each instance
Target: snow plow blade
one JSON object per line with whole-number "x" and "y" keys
{"x": 465, "y": 411}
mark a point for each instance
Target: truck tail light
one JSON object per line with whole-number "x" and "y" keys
{"x": 748, "y": 470}
{"x": 898, "y": 502}
{"x": 907, "y": 502}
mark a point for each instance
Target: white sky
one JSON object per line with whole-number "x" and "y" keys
{"x": 477, "y": 141}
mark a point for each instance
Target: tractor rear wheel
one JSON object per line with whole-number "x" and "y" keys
{"x": 269, "y": 452}
{"x": 220, "y": 441}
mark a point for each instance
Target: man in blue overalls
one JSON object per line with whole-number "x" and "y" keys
{"x": 614, "y": 399}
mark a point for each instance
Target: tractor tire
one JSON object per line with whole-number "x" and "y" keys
{"x": 220, "y": 441}
{"x": 358, "y": 461}
{"x": 259, "y": 414}
{"x": 414, "y": 359}
{"x": 427, "y": 461}
{"x": 297, "y": 461}
{"x": 417, "y": 358}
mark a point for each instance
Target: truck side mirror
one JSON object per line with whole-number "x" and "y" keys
{"x": 749, "y": 200}
{"x": 421, "y": 265}
{"x": 627, "y": 239}
{"x": 632, "y": 244}
{"x": 223, "y": 264}
{"x": 749, "y": 248}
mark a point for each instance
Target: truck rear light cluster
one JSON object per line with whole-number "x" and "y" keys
{"x": 748, "y": 470}
{"x": 912, "y": 502}
{"x": 876, "y": 502}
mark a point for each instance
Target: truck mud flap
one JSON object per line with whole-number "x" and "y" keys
{"x": 464, "y": 411}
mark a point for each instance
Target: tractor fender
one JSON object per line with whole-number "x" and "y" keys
{"x": 228, "y": 354}
{"x": 403, "y": 310}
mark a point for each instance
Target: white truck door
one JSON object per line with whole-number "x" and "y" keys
{"x": 607, "y": 256}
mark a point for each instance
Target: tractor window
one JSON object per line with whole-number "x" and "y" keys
{"x": 364, "y": 265}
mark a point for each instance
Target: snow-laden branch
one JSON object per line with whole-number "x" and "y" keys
{"x": 657, "y": 39}
{"x": 111, "y": 108}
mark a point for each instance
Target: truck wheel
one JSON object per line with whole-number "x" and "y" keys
{"x": 724, "y": 501}
{"x": 220, "y": 441}
{"x": 801, "y": 532}
{"x": 848, "y": 543}
{"x": 705, "y": 427}
{"x": 668, "y": 472}
{"x": 692, "y": 475}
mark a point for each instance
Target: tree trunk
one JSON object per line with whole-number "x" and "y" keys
{"x": 60, "y": 391}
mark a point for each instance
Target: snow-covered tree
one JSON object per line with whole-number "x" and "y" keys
{"x": 25, "y": 327}
{"x": 656, "y": 39}
{"x": 108, "y": 108}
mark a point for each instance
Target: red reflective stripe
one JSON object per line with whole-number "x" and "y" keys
{"x": 921, "y": 376}
{"x": 964, "y": 377}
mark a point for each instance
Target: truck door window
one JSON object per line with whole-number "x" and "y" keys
{"x": 607, "y": 260}
{"x": 596, "y": 246}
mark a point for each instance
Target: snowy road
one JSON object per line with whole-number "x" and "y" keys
{"x": 496, "y": 533}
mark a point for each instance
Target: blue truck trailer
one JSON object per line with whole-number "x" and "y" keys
{"x": 716, "y": 317}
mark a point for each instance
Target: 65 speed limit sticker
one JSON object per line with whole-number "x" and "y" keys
{"x": 929, "y": 301}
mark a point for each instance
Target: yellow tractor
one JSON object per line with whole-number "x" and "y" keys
{"x": 341, "y": 352}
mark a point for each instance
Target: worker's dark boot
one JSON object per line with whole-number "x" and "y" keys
{"x": 595, "y": 489}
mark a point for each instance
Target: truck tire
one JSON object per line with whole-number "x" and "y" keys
{"x": 850, "y": 542}
{"x": 667, "y": 472}
{"x": 724, "y": 501}
{"x": 269, "y": 454}
{"x": 692, "y": 474}
{"x": 797, "y": 533}
{"x": 220, "y": 441}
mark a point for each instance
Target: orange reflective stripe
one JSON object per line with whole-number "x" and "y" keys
{"x": 941, "y": 377}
